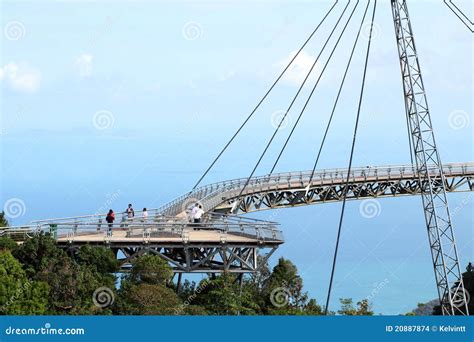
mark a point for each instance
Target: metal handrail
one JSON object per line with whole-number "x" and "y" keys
{"x": 403, "y": 171}
{"x": 70, "y": 229}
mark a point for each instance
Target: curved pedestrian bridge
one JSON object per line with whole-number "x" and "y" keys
{"x": 225, "y": 241}
{"x": 298, "y": 188}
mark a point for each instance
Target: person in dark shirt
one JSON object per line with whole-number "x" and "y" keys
{"x": 110, "y": 218}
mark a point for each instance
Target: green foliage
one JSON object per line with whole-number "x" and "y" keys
{"x": 151, "y": 269}
{"x": 40, "y": 278}
{"x": 3, "y": 220}
{"x": 7, "y": 243}
{"x": 348, "y": 309}
{"x": 18, "y": 294}
{"x": 103, "y": 259}
{"x": 285, "y": 279}
{"x": 281, "y": 292}
{"x": 37, "y": 253}
{"x": 312, "y": 308}
{"x": 193, "y": 310}
{"x": 146, "y": 290}
{"x": 147, "y": 299}
{"x": 71, "y": 283}
{"x": 223, "y": 296}
{"x": 187, "y": 290}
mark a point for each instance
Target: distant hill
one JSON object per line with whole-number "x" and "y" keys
{"x": 425, "y": 309}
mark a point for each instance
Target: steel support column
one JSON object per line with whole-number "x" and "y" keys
{"x": 444, "y": 254}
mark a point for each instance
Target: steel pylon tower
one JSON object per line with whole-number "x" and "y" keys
{"x": 426, "y": 159}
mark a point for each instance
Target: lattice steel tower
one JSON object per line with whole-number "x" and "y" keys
{"x": 425, "y": 158}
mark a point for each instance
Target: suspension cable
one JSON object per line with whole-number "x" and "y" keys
{"x": 293, "y": 101}
{"x": 314, "y": 88}
{"x": 338, "y": 95}
{"x": 350, "y": 162}
{"x": 264, "y": 97}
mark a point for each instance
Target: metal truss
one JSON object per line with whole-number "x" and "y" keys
{"x": 294, "y": 188}
{"x": 433, "y": 187}
{"x": 217, "y": 258}
{"x": 362, "y": 188}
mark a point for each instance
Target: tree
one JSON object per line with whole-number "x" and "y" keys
{"x": 18, "y": 294}
{"x": 348, "y": 309}
{"x": 103, "y": 259}
{"x": 3, "y": 220}
{"x": 223, "y": 296}
{"x": 71, "y": 284}
{"x": 145, "y": 291}
{"x": 312, "y": 308}
{"x": 187, "y": 289}
{"x": 151, "y": 269}
{"x": 284, "y": 293}
{"x": 37, "y": 253}
{"x": 147, "y": 299}
{"x": 7, "y": 243}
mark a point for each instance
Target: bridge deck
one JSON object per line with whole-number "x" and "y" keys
{"x": 190, "y": 237}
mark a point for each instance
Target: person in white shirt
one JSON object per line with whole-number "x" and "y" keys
{"x": 193, "y": 212}
{"x": 145, "y": 214}
{"x": 198, "y": 214}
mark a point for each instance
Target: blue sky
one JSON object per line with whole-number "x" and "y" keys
{"x": 136, "y": 99}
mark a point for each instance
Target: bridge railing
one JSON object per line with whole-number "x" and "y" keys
{"x": 143, "y": 230}
{"x": 210, "y": 195}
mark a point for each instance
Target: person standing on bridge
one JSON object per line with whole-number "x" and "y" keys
{"x": 110, "y": 220}
{"x": 197, "y": 216}
{"x": 193, "y": 211}
{"x": 130, "y": 212}
{"x": 145, "y": 214}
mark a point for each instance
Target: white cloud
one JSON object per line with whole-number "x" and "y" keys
{"x": 21, "y": 76}
{"x": 83, "y": 65}
{"x": 298, "y": 69}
